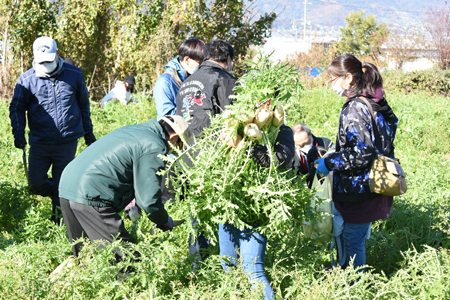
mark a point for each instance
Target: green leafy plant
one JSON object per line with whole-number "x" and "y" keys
{"x": 408, "y": 254}
{"x": 432, "y": 82}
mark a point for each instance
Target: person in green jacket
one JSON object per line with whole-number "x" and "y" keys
{"x": 109, "y": 174}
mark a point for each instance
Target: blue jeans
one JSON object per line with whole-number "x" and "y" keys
{"x": 40, "y": 159}
{"x": 354, "y": 238}
{"x": 252, "y": 248}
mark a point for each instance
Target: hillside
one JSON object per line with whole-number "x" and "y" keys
{"x": 333, "y": 12}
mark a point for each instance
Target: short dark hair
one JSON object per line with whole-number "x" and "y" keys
{"x": 192, "y": 48}
{"x": 218, "y": 51}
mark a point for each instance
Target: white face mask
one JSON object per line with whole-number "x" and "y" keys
{"x": 338, "y": 89}
{"x": 128, "y": 96}
{"x": 47, "y": 67}
{"x": 192, "y": 71}
{"x": 306, "y": 149}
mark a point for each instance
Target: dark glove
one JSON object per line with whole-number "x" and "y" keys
{"x": 259, "y": 155}
{"x": 167, "y": 226}
{"x": 89, "y": 138}
{"x": 20, "y": 142}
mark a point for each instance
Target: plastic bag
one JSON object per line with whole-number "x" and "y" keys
{"x": 321, "y": 230}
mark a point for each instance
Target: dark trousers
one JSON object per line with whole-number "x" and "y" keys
{"x": 40, "y": 158}
{"x": 100, "y": 224}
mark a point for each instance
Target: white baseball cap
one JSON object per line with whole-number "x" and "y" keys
{"x": 180, "y": 126}
{"x": 44, "y": 49}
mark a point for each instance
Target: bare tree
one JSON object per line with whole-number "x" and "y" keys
{"x": 438, "y": 26}
{"x": 7, "y": 9}
{"x": 406, "y": 44}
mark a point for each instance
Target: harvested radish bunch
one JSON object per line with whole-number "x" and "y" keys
{"x": 225, "y": 184}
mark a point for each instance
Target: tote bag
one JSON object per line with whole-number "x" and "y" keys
{"x": 320, "y": 230}
{"x": 386, "y": 175}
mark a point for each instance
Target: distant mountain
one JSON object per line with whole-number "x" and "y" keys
{"x": 333, "y": 12}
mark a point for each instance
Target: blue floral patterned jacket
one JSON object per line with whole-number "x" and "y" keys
{"x": 355, "y": 148}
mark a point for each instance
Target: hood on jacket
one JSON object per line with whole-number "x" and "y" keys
{"x": 213, "y": 64}
{"x": 379, "y": 104}
{"x": 377, "y": 96}
{"x": 175, "y": 64}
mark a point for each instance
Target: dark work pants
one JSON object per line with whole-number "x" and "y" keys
{"x": 99, "y": 224}
{"x": 40, "y": 158}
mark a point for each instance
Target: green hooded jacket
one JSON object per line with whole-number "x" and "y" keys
{"x": 120, "y": 166}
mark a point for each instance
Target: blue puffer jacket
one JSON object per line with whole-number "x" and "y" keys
{"x": 57, "y": 108}
{"x": 166, "y": 88}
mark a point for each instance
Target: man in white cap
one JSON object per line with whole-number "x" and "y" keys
{"x": 107, "y": 176}
{"x": 54, "y": 99}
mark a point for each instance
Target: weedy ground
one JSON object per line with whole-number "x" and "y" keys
{"x": 407, "y": 255}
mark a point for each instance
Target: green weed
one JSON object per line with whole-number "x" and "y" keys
{"x": 403, "y": 256}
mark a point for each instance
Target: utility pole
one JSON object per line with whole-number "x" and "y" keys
{"x": 304, "y": 29}
{"x": 294, "y": 30}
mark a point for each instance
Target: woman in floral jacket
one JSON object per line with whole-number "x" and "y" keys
{"x": 357, "y": 145}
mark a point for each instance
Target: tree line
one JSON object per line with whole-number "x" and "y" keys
{"x": 108, "y": 39}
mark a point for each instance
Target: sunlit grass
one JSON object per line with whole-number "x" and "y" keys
{"x": 402, "y": 254}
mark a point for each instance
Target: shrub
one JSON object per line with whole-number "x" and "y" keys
{"x": 432, "y": 82}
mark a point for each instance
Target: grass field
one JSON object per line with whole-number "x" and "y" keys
{"x": 407, "y": 254}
